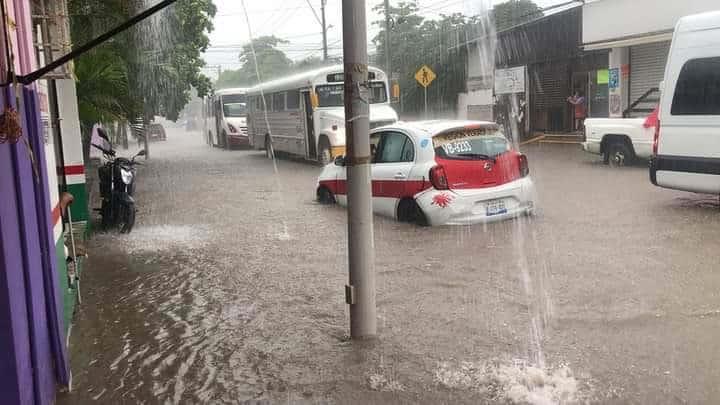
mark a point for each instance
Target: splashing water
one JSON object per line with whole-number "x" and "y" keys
{"x": 517, "y": 383}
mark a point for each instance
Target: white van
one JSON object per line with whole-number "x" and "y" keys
{"x": 686, "y": 146}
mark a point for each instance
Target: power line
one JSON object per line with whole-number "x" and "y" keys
{"x": 314, "y": 12}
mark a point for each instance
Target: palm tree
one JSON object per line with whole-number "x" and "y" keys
{"x": 102, "y": 90}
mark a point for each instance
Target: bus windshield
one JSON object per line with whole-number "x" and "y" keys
{"x": 234, "y": 109}
{"x": 331, "y": 95}
{"x": 234, "y": 105}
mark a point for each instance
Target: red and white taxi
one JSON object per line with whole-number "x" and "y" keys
{"x": 440, "y": 173}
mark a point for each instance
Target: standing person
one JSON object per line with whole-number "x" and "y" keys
{"x": 578, "y": 101}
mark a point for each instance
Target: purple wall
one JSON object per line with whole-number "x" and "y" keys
{"x": 32, "y": 350}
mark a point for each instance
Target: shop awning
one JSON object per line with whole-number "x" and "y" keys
{"x": 630, "y": 40}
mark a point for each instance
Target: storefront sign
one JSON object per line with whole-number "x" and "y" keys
{"x": 614, "y": 79}
{"x": 603, "y": 76}
{"x": 509, "y": 81}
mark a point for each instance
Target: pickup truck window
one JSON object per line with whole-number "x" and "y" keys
{"x": 698, "y": 88}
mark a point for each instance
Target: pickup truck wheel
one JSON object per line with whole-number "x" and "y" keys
{"x": 618, "y": 155}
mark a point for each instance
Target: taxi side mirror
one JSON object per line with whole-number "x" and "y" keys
{"x": 340, "y": 161}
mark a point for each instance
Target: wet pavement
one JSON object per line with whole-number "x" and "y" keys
{"x": 231, "y": 290}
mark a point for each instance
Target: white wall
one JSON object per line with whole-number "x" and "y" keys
{"x": 610, "y": 19}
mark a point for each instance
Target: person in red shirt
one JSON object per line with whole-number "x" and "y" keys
{"x": 578, "y": 101}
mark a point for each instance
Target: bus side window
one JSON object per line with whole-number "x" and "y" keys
{"x": 293, "y": 100}
{"x": 279, "y": 102}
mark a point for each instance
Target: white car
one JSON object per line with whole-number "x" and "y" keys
{"x": 440, "y": 173}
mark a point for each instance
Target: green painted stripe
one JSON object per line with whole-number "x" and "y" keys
{"x": 68, "y": 294}
{"x": 79, "y": 208}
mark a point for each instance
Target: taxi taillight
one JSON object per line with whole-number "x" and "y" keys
{"x": 438, "y": 178}
{"x": 524, "y": 167}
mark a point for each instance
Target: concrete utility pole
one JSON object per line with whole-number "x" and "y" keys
{"x": 388, "y": 68}
{"x": 324, "y": 28}
{"x": 360, "y": 294}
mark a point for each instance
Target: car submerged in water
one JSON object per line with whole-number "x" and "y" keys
{"x": 440, "y": 173}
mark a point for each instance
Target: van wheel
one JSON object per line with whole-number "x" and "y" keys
{"x": 324, "y": 196}
{"x": 269, "y": 153}
{"x": 618, "y": 155}
{"x": 324, "y": 154}
{"x": 409, "y": 211}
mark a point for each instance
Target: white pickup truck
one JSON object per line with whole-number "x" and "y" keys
{"x": 619, "y": 140}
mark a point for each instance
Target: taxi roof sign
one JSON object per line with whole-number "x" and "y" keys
{"x": 425, "y": 76}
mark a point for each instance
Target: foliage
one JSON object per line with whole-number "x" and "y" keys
{"x": 416, "y": 41}
{"x": 145, "y": 71}
{"x": 442, "y": 45}
{"x": 272, "y": 63}
{"x": 102, "y": 90}
{"x": 514, "y": 12}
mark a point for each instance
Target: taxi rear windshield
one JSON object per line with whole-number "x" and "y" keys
{"x": 477, "y": 144}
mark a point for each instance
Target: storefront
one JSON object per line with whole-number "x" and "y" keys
{"x": 549, "y": 52}
{"x": 637, "y": 43}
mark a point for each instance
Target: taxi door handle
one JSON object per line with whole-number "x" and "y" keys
{"x": 399, "y": 176}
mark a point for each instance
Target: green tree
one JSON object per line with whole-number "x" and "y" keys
{"x": 272, "y": 63}
{"x": 515, "y": 12}
{"x": 159, "y": 59}
{"x": 416, "y": 41}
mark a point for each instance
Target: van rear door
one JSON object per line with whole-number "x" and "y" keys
{"x": 688, "y": 149}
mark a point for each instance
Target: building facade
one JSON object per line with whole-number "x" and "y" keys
{"x": 33, "y": 359}
{"x": 636, "y": 36}
{"x": 545, "y": 64}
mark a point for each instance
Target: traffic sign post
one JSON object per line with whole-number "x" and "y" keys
{"x": 425, "y": 76}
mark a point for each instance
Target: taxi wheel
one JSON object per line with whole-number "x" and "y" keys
{"x": 324, "y": 196}
{"x": 409, "y": 211}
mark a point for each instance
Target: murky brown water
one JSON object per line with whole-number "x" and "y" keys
{"x": 230, "y": 289}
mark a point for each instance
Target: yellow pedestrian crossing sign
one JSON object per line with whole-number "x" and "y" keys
{"x": 425, "y": 76}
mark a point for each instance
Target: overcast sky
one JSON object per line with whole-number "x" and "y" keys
{"x": 294, "y": 21}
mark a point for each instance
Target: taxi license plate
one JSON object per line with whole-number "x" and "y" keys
{"x": 495, "y": 207}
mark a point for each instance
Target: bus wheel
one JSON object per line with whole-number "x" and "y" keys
{"x": 268, "y": 147}
{"x": 324, "y": 154}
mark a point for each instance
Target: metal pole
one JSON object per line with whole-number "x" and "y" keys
{"x": 360, "y": 293}
{"x": 324, "y": 29}
{"x": 426, "y": 114}
{"x": 388, "y": 67}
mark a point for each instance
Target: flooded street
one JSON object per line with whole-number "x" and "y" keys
{"x": 231, "y": 288}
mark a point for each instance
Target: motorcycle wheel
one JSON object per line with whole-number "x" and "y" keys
{"x": 127, "y": 218}
{"x": 105, "y": 215}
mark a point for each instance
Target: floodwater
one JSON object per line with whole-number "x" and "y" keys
{"x": 231, "y": 290}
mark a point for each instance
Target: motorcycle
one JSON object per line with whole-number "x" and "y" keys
{"x": 117, "y": 186}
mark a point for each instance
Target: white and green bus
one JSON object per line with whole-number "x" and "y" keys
{"x": 306, "y": 114}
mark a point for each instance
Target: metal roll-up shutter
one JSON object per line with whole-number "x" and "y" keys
{"x": 647, "y": 67}
{"x": 550, "y": 85}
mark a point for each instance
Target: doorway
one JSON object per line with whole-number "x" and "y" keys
{"x": 309, "y": 126}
